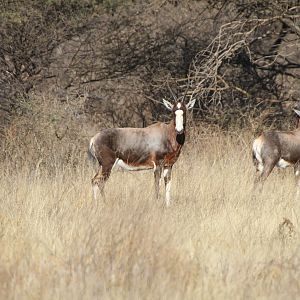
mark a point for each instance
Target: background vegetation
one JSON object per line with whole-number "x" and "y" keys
{"x": 68, "y": 68}
{"x": 240, "y": 59}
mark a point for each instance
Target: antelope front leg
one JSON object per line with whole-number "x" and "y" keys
{"x": 157, "y": 175}
{"x": 167, "y": 179}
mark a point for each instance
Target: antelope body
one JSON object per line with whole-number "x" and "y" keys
{"x": 277, "y": 148}
{"x": 156, "y": 147}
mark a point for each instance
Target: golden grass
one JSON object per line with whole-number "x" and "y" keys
{"x": 216, "y": 241}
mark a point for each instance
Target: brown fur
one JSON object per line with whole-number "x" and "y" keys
{"x": 276, "y": 146}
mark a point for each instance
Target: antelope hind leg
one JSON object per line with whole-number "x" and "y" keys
{"x": 98, "y": 183}
{"x": 167, "y": 179}
{"x": 157, "y": 176}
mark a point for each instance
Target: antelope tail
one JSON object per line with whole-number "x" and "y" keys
{"x": 91, "y": 152}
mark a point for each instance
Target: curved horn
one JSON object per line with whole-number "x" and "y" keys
{"x": 297, "y": 112}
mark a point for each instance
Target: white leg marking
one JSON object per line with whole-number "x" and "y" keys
{"x": 166, "y": 171}
{"x": 167, "y": 178}
{"x": 260, "y": 167}
{"x": 154, "y": 165}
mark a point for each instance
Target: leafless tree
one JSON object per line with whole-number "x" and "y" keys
{"x": 248, "y": 63}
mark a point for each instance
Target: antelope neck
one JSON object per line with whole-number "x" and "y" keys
{"x": 177, "y": 140}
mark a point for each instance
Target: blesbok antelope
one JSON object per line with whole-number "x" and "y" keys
{"x": 277, "y": 148}
{"x": 155, "y": 147}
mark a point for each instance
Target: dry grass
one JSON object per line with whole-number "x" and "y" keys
{"x": 216, "y": 241}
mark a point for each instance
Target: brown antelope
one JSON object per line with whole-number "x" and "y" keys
{"x": 277, "y": 148}
{"x": 156, "y": 147}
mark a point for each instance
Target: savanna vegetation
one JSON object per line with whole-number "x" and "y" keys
{"x": 68, "y": 68}
{"x": 217, "y": 240}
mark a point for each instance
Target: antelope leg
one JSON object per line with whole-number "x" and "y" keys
{"x": 167, "y": 179}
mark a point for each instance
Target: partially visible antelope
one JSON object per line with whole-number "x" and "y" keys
{"x": 156, "y": 147}
{"x": 277, "y": 148}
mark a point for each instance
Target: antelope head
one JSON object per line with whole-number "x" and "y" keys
{"x": 179, "y": 109}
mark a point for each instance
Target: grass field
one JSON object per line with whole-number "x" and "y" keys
{"x": 217, "y": 240}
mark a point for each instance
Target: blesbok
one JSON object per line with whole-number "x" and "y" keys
{"x": 156, "y": 147}
{"x": 277, "y": 148}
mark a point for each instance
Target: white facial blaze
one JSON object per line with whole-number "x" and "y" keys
{"x": 179, "y": 120}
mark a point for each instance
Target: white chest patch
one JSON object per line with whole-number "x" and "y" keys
{"x": 179, "y": 119}
{"x": 283, "y": 163}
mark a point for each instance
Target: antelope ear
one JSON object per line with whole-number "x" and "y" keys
{"x": 191, "y": 104}
{"x": 168, "y": 104}
{"x": 297, "y": 112}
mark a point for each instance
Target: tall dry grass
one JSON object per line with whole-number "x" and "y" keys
{"x": 216, "y": 241}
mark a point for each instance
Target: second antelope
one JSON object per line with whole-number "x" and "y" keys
{"x": 156, "y": 147}
{"x": 277, "y": 148}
